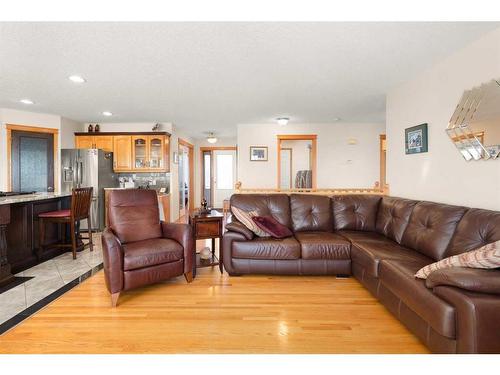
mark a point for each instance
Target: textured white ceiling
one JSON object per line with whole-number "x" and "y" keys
{"x": 212, "y": 76}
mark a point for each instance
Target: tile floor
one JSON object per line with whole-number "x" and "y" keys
{"x": 47, "y": 278}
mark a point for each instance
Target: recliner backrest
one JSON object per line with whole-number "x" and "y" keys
{"x": 431, "y": 227}
{"x": 311, "y": 213}
{"x": 134, "y": 215}
{"x": 275, "y": 205}
{"x": 393, "y": 217}
{"x": 476, "y": 228}
{"x": 355, "y": 212}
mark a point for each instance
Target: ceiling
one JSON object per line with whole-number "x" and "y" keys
{"x": 211, "y": 76}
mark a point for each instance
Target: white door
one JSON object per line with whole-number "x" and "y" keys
{"x": 286, "y": 168}
{"x": 224, "y": 175}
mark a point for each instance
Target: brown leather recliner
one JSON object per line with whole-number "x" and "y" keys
{"x": 138, "y": 249}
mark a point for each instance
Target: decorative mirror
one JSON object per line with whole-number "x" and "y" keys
{"x": 474, "y": 127}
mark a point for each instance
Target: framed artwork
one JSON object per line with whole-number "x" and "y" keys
{"x": 258, "y": 153}
{"x": 416, "y": 139}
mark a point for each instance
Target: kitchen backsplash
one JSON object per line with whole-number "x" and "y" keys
{"x": 155, "y": 180}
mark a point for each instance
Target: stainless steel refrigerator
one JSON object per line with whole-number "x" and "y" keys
{"x": 85, "y": 168}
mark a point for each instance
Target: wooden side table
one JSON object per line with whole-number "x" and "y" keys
{"x": 207, "y": 226}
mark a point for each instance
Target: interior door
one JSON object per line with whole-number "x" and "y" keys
{"x": 224, "y": 175}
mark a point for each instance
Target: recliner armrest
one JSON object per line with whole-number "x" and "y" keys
{"x": 472, "y": 279}
{"x": 112, "y": 254}
{"x": 182, "y": 233}
{"x": 236, "y": 226}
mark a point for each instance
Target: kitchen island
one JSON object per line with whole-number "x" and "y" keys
{"x": 19, "y": 234}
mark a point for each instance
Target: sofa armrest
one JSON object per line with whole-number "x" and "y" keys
{"x": 472, "y": 279}
{"x": 236, "y": 226}
{"x": 476, "y": 319}
{"x": 182, "y": 233}
{"x": 112, "y": 254}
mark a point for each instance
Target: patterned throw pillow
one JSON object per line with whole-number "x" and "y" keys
{"x": 246, "y": 219}
{"x": 487, "y": 256}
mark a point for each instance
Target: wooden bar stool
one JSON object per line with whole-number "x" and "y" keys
{"x": 81, "y": 200}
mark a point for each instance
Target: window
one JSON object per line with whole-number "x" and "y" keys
{"x": 224, "y": 172}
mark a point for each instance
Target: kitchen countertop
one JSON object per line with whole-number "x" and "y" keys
{"x": 31, "y": 197}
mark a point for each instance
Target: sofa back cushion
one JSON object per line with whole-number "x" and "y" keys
{"x": 133, "y": 214}
{"x": 355, "y": 212}
{"x": 393, "y": 217}
{"x": 275, "y": 205}
{"x": 311, "y": 213}
{"x": 431, "y": 228}
{"x": 477, "y": 228}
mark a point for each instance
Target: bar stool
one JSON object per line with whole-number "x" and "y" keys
{"x": 81, "y": 200}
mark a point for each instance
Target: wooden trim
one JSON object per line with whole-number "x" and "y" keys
{"x": 383, "y": 160}
{"x": 122, "y": 133}
{"x": 34, "y": 129}
{"x": 314, "y": 152}
{"x": 202, "y": 167}
{"x": 191, "y": 170}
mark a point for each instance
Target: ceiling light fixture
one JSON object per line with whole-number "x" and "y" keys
{"x": 335, "y": 119}
{"x": 27, "y": 101}
{"x": 77, "y": 79}
{"x": 211, "y": 138}
{"x": 282, "y": 120}
{"x": 107, "y": 113}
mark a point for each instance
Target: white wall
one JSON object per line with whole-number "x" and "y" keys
{"x": 339, "y": 164}
{"x": 68, "y": 129}
{"x": 17, "y": 117}
{"x": 441, "y": 174}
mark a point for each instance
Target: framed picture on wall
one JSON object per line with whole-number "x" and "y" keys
{"x": 258, "y": 153}
{"x": 416, "y": 139}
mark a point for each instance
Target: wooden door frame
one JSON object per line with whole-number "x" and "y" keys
{"x": 299, "y": 137}
{"x": 202, "y": 166}
{"x": 383, "y": 161}
{"x": 190, "y": 147}
{"x": 34, "y": 129}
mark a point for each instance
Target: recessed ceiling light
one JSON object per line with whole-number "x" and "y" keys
{"x": 27, "y": 101}
{"x": 282, "y": 120}
{"x": 107, "y": 113}
{"x": 77, "y": 79}
{"x": 335, "y": 119}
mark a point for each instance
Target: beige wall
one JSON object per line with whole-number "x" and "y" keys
{"x": 442, "y": 174}
{"x": 68, "y": 129}
{"x": 339, "y": 164}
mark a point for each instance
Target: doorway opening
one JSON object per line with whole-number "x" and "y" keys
{"x": 218, "y": 174}
{"x": 32, "y": 158}
{"x": 185, "y": 175}
{"x": 297, "y": 161}
{"x": 383, "y": 166}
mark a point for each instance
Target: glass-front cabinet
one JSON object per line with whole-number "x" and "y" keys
{"x": 149, "y": 153}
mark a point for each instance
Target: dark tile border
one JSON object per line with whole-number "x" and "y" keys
{"x": 16, "y": 319}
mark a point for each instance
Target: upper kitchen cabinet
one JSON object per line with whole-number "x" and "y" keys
{"x": 132, "y": 152}
{"x": 104, "y": 142}
{"x": 122, "y": 153}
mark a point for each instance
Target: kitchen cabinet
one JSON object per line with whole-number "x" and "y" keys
{"x": 104, "y": 142}
{"x": 122, "y": 153}
{"x": 132, "y": 152}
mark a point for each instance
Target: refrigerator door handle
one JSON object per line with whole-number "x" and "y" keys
{"x": 81, "y": 174}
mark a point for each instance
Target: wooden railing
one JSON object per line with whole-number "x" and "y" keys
{"x": 376, "y": 190}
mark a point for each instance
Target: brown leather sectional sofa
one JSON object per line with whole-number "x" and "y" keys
{"x": 383, "y": 242}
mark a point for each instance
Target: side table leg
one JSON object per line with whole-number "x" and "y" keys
{"x": 221, "y": 264}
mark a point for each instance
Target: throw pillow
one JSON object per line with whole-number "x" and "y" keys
{"x": 272, "y": 226}
{"x": 246, "y": 219}
{"x": 487, "y": 256}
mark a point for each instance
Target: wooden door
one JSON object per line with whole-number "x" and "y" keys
{"x": 104, "y": 142}
{"x": 122, "y": 153}
{"x": 84, "y": 141}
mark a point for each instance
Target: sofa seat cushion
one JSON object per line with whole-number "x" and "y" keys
{"x": 323, "y": 245}
{"x": 369, "y": 249}
{"x": 398, "y": 277}
{"x": 151, "y": 252}
{"x": 267, "y": 248}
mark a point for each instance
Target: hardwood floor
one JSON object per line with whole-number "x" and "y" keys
{"x": 216, "y": 314}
